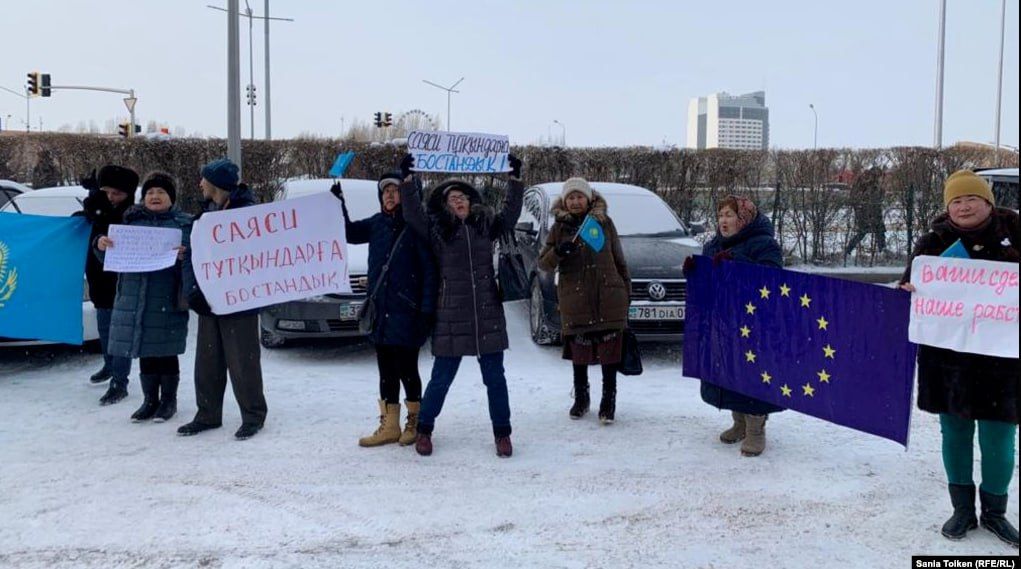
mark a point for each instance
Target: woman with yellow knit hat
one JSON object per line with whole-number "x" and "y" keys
{"x": 968, "y": 389}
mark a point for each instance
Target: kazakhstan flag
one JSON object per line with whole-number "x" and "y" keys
{"x": 42, "y": 263}
{"x": 592, "y": 233}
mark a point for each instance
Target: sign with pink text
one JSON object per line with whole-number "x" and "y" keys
{"x": 965, "y": 305}
{"x": 271, "y": 253}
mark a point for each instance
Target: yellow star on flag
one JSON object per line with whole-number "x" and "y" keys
{"x": 808, "y": 389}
{"x": 746, "y": 332}
{"x": 805, "y": 300}
{"x": 823, "y": 376}
{"x": 749, "y": 356}
{"x": 823, "y": 323}
{"x": 764, "y": 292}
{"x": 829, "y": 351}
{"x": 785, "y": 390}
{"x": 785, "y": 290}
{"x": 749, "y": 308}
{"x": 766, "y": 378}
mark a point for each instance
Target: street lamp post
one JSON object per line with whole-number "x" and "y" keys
{"x": 815, "y": 131}
{"x": 450, "y": 90}
{"x": 999, "y": 79}
{"x": 938, "y": 127}
{"x": 563, "y": 132}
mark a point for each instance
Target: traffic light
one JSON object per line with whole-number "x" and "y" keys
{"x": 250, "y": 94}
{"x": 44, "y": 85}
{"x": 123, "y": 128}
{"x": 388, "y": 120}
{"x": 34, "y": 78}
{"x": 379, "y": 120}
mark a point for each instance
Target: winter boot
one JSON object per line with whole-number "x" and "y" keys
{"x": 117, "y": 391}
{"x": 581, "y": 401}
{"x": 993, "y": 509}
{"x": 168, "y": 398}
{"x": 411, "y": 425}
{"x": 503, "y": 447}
{"x": 389, "y": 430}
{"x": 247, "y": 431}
{"x": 194, "y": 428}
{"x": 755, "y": 433}
{"x": 735, "y": 433}
{"x": 101, "y": 375}
{"x": 962, "y": 497}
{"x": 424, "y": 444}
{"x": 608, "y": 405}
{"x": 151, "y": 392}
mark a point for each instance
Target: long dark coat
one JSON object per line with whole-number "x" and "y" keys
{"x": 150, "y": 317}
{"x": 98, "y": 210}
{"x": 756, "y": 244}
{"x": 469, "y": 316}
{"x": 972, "y": 386}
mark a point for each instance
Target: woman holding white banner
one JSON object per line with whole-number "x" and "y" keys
{"x": 966, "y": 389}
{"x": 150, "y": 320}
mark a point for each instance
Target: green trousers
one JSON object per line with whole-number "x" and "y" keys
{"x": 995, "y": 439}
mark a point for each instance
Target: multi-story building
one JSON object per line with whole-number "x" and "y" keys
{"x": 729, "y": 121}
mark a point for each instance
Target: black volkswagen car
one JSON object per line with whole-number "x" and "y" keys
{"x": 655, "y": 244}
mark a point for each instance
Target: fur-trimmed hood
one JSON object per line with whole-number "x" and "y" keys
{"x": 479, "y": 213}
{"x": 597, "y": 209}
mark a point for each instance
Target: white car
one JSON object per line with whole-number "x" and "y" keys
{"x": 59, "y": 202}
{"x": 10, "y": 189}
{"x": 1004, "y": 184}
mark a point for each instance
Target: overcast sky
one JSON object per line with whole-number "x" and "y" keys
{"x": 613, "y": 72}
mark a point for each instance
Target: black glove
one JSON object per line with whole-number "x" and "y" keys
{"x": 197, "y": 302}
{"x": 515, "y": 164}
{"x": 689, "y": 266}
{"x": 722, "y": 256}
{"x": 566, "y": 248}
{"x": 337, "y": 191}
{"x": 407, "y": 163}
{"x": 90, "y": 182}
{"x": 96, "y": 206}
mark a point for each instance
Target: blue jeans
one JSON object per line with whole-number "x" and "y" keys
{"x": 444, "y": 370}
{"x": 119, "y": 367}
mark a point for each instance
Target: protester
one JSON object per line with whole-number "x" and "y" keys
{"x": 593, "y": 293}
{"x": 967, "y": 389}
{"x": 867, "y": 202}
{"x": 111, "y": 193}
{"x": 149, "y": 320}
{"x": 744, "y": 235}
{"x": 227, "y": 342}
{"x": 469, "y": 317}
{"x": 402, "y": 285}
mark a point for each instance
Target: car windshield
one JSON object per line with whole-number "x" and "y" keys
{"x": 44, "y": 205}
{"x": 360, "y": 204}
{"x": 642, "y": 215}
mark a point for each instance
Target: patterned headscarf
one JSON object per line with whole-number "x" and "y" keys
{"x": 745, "y": 208}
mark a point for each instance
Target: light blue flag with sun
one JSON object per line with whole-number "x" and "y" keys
{"x": 592, "y": 233}
{"x": 42, "y": 267}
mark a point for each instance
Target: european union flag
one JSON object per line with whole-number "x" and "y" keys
{"x": 341, "y": 163}
{"x": 592, "y": 233}
{"x": 834, "y": 349}
{"x": 42, "y": 263}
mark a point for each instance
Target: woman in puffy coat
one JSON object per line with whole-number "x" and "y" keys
{"x": 744, "y": 235}
{"x": 150, "y": 313}
{"x": 594, "y": 292}
{"x": 973, "y": 390}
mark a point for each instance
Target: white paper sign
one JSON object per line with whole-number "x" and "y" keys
{"x": 965, "y": 305}
{"x": 138, "y": 249}
{"x": 271, "y": 253}
{"x": 459, "y": 152}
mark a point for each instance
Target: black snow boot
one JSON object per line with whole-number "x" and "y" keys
{"x": 194, "y": 428}
{"x": 101, "y": 375}
{"x": 151, "y": 392}
{"x": 608, "y": 405}
{"x": 168, "y": 397}
{"x": 581, "y": 393}
{"x": 962, "y": 497}
{"x": 117, "y": 391}
{"x": 993, "y": 509}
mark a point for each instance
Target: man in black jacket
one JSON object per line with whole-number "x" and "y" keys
{"x": 227, "y": 342}
{"x": 111, "y": 193}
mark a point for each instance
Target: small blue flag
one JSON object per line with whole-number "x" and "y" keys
{"x": 341, "y": 163}
{"x": 956, "y": 251}
{"x": 592, "y": 233}
{"x": 42, "y": 267}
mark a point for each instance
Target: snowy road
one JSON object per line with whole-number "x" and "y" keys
{"x": 81, "y": 486}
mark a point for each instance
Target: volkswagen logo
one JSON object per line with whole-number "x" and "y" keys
{"x": 657, "y": 291}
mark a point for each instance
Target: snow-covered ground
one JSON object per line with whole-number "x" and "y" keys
{"x": 81, "y": 486}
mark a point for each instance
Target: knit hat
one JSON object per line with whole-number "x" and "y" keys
{"x": 744, "y": 207}
{"x": 160, "y": 180}
{"x": 222, "y": 173}
{"x": 966, "y": 183}
{"x": 576, "y": 185}
{"x": 119, "y": 178}
{"x": 387, "y": 179}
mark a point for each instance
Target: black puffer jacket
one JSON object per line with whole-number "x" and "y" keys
{"x": 469, "y": 316}
{"x": 972, "y": 386}
{"x": 98, "y": 210}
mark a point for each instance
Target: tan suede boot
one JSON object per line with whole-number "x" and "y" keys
{"x": 755, "y": 430}
{"x": 736, "y": 433}
{"x": 389, "y": 430}
{"x": 411, "y": 426}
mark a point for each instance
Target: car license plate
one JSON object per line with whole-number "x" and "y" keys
{"x": 350, "y": 311}
{"x": 656, "y": 313}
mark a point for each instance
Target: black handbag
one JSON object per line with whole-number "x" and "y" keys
{"x": 367, "y": 311}
{"x": 631, "y": 355}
